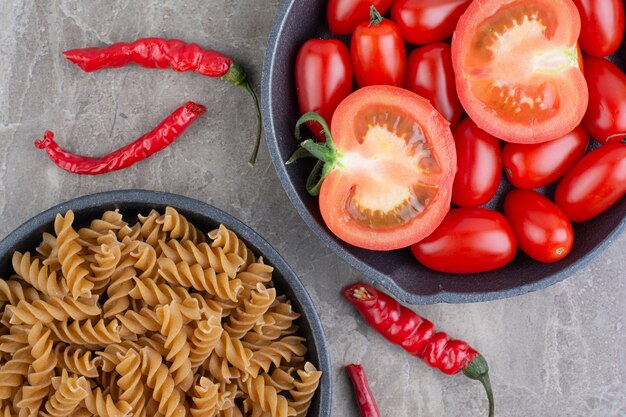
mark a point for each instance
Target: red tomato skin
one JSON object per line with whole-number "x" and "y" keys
{"x": 429, "y": 73}
{"x": 594, "y": 184}
{"x": 426, "y": 21}
{"x": 323, "y": 79}
{"x": 541, "y": 229}
{"x": 536, "y": 165}
{"x": 469, "y": 240}
{"x": 479, "y": 165}
{"x": 605, "y": 118}
{"x": 345, "y": 15}
{"x": 378, "y": 54}
{"x": 602, "y": 26}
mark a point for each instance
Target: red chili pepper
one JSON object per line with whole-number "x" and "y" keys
{"x": 164, "y": 134}
{"x": 163, "y": 53}
{"x": 416, "y": 335}
{"x": 364, "y": 396}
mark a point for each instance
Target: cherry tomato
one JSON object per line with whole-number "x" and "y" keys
{"x": 594, "y": 184}
{"x": 518, "y": 73}
{"x": 602, "y": 26}
{"x": 479, "y": 166}
{"x": 426, "y": 21}
{"x": 469, "y": 240}
{"x": 533, "y": 166}
{"x": 540, "y": 227}
{"x": 389, "y": 169}
{"x": 323, "y": 79}
{"x": 345, "y": 15}
{"x": 430, "y": 74}
{"x": 606, "y": 115}
{"x": 378, "y": 53}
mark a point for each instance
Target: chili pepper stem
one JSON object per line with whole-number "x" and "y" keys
{"x": 478, "y": 370}
{"x": 237, "y": 76}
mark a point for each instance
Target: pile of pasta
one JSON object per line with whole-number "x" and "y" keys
{"x": 150, "y": 319}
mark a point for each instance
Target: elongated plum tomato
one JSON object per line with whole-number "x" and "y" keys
{"x": 478, "y": 163}
{"x": 594, "y": 184}
{"x": 518, "y": 70}
{"x": 378, "y": 52}
{"x": 323, "y": 79}
{"x": 345, "y": 15}
{"x": 429, "y": 73}
{"x": 602, "y": 26}
{"x": 389, "y": 167}
{"x": 540, "y": 227}
{"x": 426, "y": 21}
{"x": 606, "y": 115}
{"x": 468, "y": 241}
{"x": 539, "y": 164}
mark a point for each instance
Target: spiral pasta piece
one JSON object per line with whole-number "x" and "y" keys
{"x": 277, "y": 352}
{"x": 103, "y": 405}
{"x": 255, "y": 273}
{"x": 106, "y": 261}
{"x": 112, "y": 354}
{"x": 130, "y": 384}
{"x": 179, "y": 227}
{"x": 146, "y": 261}
{"x": 205, "y": 399}
{"x": 280, "y": 379}
{"x": 72, "y": 264}
{"x": 151, "y": 231}
{"x": 203, "y": 280}
{"x": 171, "y": 400}
{"x": 234, "y": 351}
{"x": 16, "y": 339}
{"x": 304, "y": 389}
{"x": 253, "y": 309}
{"x": 228, "y": 241}
{"x": 13, "y": 291}
{"x": 203, "y": 255}
{"x": 68, "y": 394}
{"x": 267, "y": 397}
{"x": 54, "y": 309}
{"x": 13, "y": 372}
{"x": 121, "y": 282}
{"x": 38, "y": 275}
{"x": 86, "y": 333}
{"x": 219, "y": 369}
{"x": 176, "y": 343}
{"x": 77, "y": 360}
{"x": 111, "y": 222}
{"x": 204, "y": 339}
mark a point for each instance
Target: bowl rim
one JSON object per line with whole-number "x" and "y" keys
{"x": 203, "y": 209}
{"x": 328, "y": 239}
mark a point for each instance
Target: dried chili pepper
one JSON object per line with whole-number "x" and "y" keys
{"x": 364, "y": 396}
{"x": 416, "y": 335}
{"x": 161, "y": 136}
{"x": 168, "y": 53}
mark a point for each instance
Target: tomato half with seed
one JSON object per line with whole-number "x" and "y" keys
{"x": 469, "y": 240}
{"x": 426, "y": 21}
{"x": 323, "y": 78}
{"x": 594, "y": 184}
{"x": 606, "y": 115}
{"x": 602, "y": 26}
{"x": 378, "y": 53}
{"x": 345, "y": 15}
{"x": 429, "y": 73}
{"x": 389, "y": 167}
{"x": 518, "y": 69}
{"x": 479, "y": 165}
{"x": 542, "y": 231}
{"x": 539, "y": 164}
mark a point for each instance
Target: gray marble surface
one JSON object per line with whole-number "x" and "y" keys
{"x": 559, "y": 352}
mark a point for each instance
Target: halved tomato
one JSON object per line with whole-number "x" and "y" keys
{"x": 518, "y": 68}
{"x": 389, "y": 165}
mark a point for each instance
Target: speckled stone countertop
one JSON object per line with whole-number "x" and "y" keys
{"x": 558, "y": 352}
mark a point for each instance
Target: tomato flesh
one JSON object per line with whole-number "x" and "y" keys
{"x": 517, "y": 68}
{"x": 391, "y": 183}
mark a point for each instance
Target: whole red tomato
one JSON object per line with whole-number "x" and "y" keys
{"x": 605, "y": 118}
{"x": 479, "y": 166}
{"x": 540, "y": 227}
{"x": 594, "y": 184}
{"x": 469, "y": 240}
{"x": 323, "y": 79}
{"x": 345, "y": 15}
{"x": 602, "y": 26}
{"x": 426, "y": 21}
{"x": 378, "y": 53}
{"x": 429, "y": 73}
{"x": 535, "y": 165}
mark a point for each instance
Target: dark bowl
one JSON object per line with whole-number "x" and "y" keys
{"x": 206, "y": 218}
{"x": 398, "y": 271}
